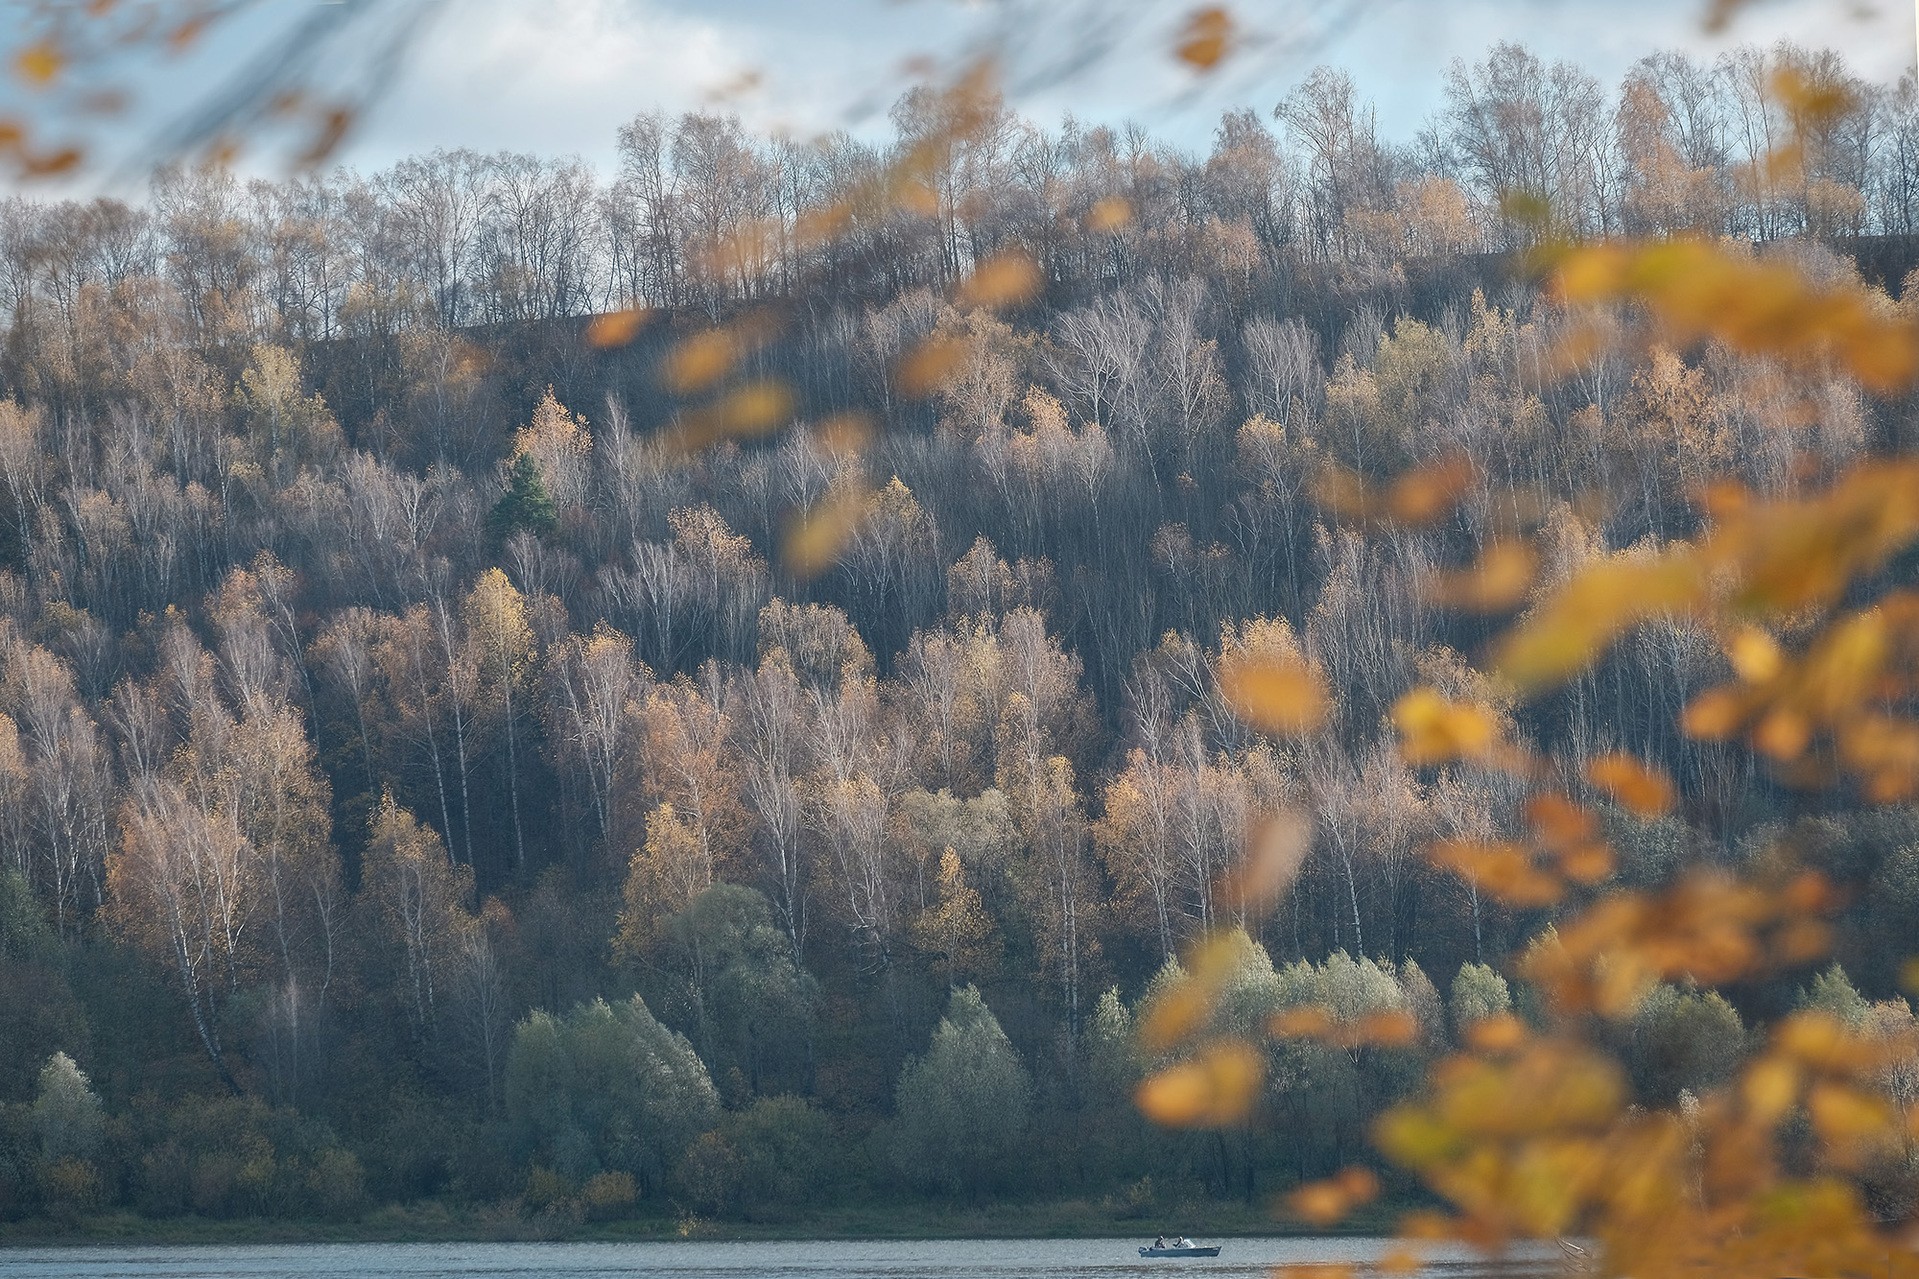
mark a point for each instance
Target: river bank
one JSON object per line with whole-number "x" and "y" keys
{"x": 434, "y": 1221}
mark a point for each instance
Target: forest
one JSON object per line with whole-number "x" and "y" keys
{"x": 439, "y": 764}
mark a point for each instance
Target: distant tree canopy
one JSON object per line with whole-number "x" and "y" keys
{"x": 414, "y": 786}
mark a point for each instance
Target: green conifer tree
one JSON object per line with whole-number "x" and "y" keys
{"x": 525, "y": 505}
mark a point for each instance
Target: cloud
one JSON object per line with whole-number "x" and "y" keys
{"x": 549, "y": 76}
{"x": 560, "y": 76}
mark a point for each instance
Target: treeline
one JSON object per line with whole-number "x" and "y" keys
{"x": 422, "y": 774}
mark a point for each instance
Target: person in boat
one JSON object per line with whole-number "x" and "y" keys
{"x": 1160, "y": 1242}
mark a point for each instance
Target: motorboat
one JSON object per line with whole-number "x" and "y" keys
{"x": 1180, "y": 1248}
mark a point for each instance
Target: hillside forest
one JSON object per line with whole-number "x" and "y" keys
{"x": 437, "y": 769}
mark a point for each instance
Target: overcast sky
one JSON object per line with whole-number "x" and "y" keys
{"x": 559, "y": 76}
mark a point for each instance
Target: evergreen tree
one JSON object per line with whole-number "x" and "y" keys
{"x": 525, "y": 505}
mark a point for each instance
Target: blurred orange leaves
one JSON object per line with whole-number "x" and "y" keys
{"x": 1110, "y": 214}
{"x": 930, "y": 366}
{"x": 697, "y": 362}
{"x": 1695, "y": 290}
{"x": 1708, "y": 928}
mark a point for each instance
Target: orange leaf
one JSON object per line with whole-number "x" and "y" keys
{"x": 1006, "y": 279}
{"x": 1282, "y": 696}
{"x": 1714, "y": 715}
{"x": 1307, "y": 1021}
{"x": 1497, "y": 583}
{"x": 930, "y": 365}
{"x": 616, "y": 328}
{"x": 1637, "y": 787}
{"x": 1391, "y": 1028}
{"x": 1109, "y": 214}
{"x": 1429, "y": 493}
{"x": 1501, "y": 869}
{"x": 814, "y": 541}
{"x": 1213, "y": 1090}
{"x": 1319, "y": 1203}
{"x": 698, "y": 361}
{"x": 1205, "y": 38}
{"x": 1499, "y": 1033}
{"x": 844, "y": 432}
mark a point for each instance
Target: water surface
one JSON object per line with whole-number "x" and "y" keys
{"x": 813, "y": 1259}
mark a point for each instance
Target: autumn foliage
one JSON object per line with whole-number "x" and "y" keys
{"x": 938, "y": 649}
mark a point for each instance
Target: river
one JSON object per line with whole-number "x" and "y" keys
{"x": 870, "y": 1259}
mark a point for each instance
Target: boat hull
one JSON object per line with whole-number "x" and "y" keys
{"x": 1180, "y": 1252}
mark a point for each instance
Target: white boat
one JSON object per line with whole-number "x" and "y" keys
{"x": 1181, "y": 1249}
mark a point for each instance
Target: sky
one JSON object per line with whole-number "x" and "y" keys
{"x": 559, "y": 76}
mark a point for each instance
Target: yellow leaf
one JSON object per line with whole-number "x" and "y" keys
{"x": 757, "y": 407}
{"x": 1845, "y": 1117}
{"x": 1434, "y": 730}
{"x": 39, "y": 63}
{"x": 1755, "y": 655}
{"x": 1282, "y": 696}
{"x": 1571, "y": 628}
{"x": 1769, "y": 1088}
